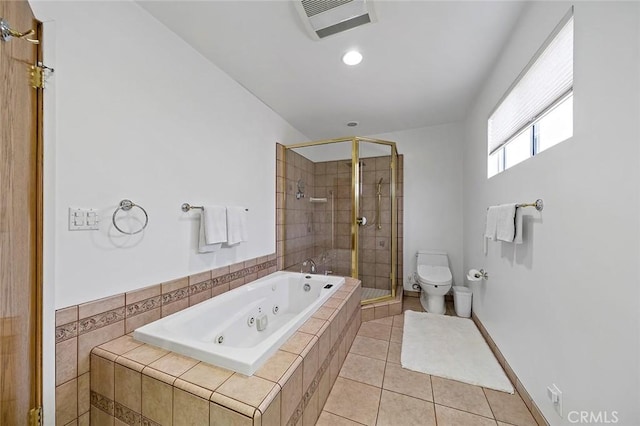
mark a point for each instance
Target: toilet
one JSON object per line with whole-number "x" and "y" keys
{"x": 434, "y": 277}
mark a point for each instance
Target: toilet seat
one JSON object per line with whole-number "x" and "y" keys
{"x": 434, "y": 275}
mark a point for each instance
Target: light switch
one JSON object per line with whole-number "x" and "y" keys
{"x": 81, "y": 219}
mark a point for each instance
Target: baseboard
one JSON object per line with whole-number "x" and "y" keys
{"x": 533, "y": 408}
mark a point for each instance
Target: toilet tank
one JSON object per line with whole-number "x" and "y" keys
{"x": 432, "y": 258}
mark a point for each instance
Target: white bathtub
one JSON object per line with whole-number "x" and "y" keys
{"x": 220, "y": 330}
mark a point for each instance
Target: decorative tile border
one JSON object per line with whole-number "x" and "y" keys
{"x": 149, "y": 306}
{"x": 175, "y": 295}
{"x": 200, "y": 287}
{"x": 232, "y": 276}
{"x": 102, "y": 403}
{"x": 101, "y": 320}
{"x": 66, "y": 331}
{"x": 85, "y": 325}
{"x": 143, "y": 306}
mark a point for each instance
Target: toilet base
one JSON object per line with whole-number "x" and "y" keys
{"x": 432, "y": 304}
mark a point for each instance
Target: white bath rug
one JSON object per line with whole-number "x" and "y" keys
{"x": 450, "y": 347}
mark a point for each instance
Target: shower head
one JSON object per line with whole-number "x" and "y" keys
{"x": 380, "y": 181}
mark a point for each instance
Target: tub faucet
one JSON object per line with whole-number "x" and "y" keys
{"x": 313, "y": 265}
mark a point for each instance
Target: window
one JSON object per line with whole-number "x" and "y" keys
{"x": 536, "y": 113}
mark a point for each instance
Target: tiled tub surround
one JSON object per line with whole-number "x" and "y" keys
{"x": 80, "y": 328}
{"x": 137, "y": 384}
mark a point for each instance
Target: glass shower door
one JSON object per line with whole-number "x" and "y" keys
{"x": 376, "y": 258}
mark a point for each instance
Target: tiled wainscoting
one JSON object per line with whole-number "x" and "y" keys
{"x": 80, "y": 328}
{"x": 138, "y": 384}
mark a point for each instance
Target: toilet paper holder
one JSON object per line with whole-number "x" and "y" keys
{"x": 477, "y": 275}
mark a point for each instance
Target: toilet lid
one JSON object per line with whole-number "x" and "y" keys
{"x": 434, "y": 274}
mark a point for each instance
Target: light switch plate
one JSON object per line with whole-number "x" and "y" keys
{"x": 81, "y": 219}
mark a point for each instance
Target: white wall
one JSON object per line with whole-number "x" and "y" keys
{"x": 564, "y": 307}
{"x": 432, "y": 193}
{"x": 141, "y": 115}
{"x": 133, "y": 112}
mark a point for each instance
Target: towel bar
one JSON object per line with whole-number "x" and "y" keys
{"x": 539, "y": 205}
{"x": 185, "y": 207}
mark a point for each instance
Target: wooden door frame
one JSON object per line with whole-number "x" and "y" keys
{"x": 39, "y": 228}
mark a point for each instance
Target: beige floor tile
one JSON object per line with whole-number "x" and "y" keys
{"x": 509, "y": 408}
{"x": 412, "y": 304}
{"x": 396, "y": 335}
{"x": 450, "y": 309}
{"x": 375, "y": 331}
{"x": 394, "y": 353}
{"x": 373, "y": 348}
{"x": 400, "y": 410}
{"x": 398, "y": 321}
{"x": 384, "y": 321}
{"x": 451, "y": 417}
{"x": 343, "y": 395}
{"x": 407, "y": 382}
{"x": 328, "y": 419}
{"x": 460, "y": 395}
{"x": 363, "y": 369}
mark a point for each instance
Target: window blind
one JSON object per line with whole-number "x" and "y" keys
{"x": 547, "y": 79}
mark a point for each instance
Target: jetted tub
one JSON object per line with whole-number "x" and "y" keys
{"x": 240, "y": 329}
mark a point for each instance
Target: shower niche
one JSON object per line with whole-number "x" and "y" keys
{"x": 348, "y": 221}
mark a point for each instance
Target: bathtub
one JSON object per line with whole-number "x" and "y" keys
{"x": 240, "y": 329}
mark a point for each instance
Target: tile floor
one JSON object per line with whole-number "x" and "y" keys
{"x": 373, "y": 389}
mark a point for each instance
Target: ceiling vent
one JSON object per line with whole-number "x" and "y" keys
{"x": 323, "y": 18}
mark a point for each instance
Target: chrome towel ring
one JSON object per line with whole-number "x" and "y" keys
{"x": 126, "y": 205}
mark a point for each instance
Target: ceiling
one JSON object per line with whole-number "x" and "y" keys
{"x": 424, "y": 61}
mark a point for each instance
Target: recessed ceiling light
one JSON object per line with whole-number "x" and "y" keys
{"x": 352, "y": 123}
{"x": 352, "y": 57}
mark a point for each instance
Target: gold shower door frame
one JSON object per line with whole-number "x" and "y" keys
{"x": 355, "y": 204}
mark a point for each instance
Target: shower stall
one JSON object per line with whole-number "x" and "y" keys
{"x": 341, "y": 211}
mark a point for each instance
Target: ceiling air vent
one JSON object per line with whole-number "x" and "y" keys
{"x": 323, "y": 18}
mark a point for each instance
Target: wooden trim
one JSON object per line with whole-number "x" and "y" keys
{"x": 38, "y": 294}
{"x": 531, "y": 405}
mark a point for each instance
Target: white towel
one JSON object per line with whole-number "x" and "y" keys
{"x": 518, "y": 238}
{"x": 215, "y": 224}
{"x": 236, "y": 225}
{"x": 506, "y": 225}
{"x": 213, "y": 228}
{"x": 491, "y": 224}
